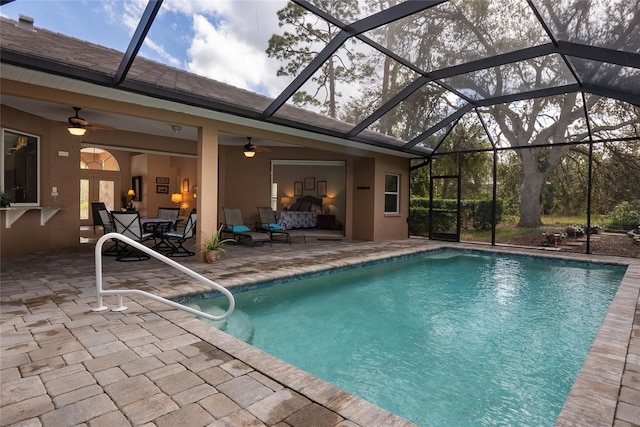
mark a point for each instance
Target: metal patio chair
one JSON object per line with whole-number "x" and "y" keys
{"x": 128, "y": 224}
{"x": 176, "y": 238}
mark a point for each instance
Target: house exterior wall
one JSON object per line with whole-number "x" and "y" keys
{"x": 26, "y": 235}
{"x": 243, "y": 182}
{"x": 391, "y": 226}
{"x": 363, "y": 198}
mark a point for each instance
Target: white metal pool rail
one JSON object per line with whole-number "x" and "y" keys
{"x": 120, "y": 292}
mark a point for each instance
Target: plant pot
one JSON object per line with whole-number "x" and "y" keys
{"x": 212, "y": 256}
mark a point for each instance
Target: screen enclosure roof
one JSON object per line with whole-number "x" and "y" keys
{"x": 394, "y": 74}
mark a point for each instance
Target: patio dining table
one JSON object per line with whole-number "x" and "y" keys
{"x": 157, "y": 226}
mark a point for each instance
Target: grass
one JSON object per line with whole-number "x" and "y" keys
{"x": 508, "y": 230}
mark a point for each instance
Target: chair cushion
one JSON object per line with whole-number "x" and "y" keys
{"x": 239, "y": 228}
{"x": 271, "y": 226}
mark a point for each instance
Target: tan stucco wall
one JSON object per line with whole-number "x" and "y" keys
{"x": 152, "y": 166}
{"x": 232, "y": 180}
{"x": 391, "y": 226}
{"x": 246, "y": 181}
{"x": 363, "y": 198}
{"x": 62, "y": 230}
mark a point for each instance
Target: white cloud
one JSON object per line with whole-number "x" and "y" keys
{"x": 230, "y": 39}
{"x": 216, "y": 53}
{"x": 161, "y": 52}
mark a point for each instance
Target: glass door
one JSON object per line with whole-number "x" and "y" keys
{"x": 96, "y": 189}
{"x": 444, "y": 215}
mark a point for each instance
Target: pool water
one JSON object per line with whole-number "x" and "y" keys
{"x": 444, "y": 339}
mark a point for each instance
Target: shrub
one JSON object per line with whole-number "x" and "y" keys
{"x": 475, "y": 212}
{"x": 419, "y": 221}
{"x": 625, "y": 214}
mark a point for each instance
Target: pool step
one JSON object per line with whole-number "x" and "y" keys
{"x": 239, "y": 324}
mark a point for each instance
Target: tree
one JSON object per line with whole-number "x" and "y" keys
{"x": 298, "y": 48}
{"x": 469, "y": 30}
{"x": 459, "y": 32}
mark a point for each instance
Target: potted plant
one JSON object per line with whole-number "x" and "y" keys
{"x": 4, "y": 200}
{"x": 214, "y": 246}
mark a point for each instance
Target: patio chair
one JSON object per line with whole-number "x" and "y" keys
{"x": 177, "y": 238}
{"x": 95, "y": 207}
{"x": 107, "y": 227}
{"x": 128, "y": 224}
{"x": 269, "y": 224}
{"x": 234, "y": 225}
{"x": 169, "y": 213}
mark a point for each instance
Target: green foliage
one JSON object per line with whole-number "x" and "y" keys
{"x": 298, "y": 48}
{"x": 478, "y": 213}
{"x": 216, "y": 242}
{"x": 625, "y": 214}
{"x": 419, "y": 221}
{"x": 5, "y": 201}
{"x": 509, "y": 181}
{"x": 483, "y": 215}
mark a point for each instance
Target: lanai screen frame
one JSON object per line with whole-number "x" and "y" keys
{"x": 275, "y": 112}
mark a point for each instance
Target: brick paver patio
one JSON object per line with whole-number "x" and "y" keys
{"x": 63, "y": 364}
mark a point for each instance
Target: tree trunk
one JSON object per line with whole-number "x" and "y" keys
{"x": 531, "y": 189}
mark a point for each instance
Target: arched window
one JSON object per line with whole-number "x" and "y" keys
{"x": 97, "y": 158}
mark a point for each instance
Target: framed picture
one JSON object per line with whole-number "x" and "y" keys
{"x": 297, "y": 188}
{"x": 309, "y": 183}
{"x": 185, "y": 185}
{"x": 322, "y": 188}
{"x": 162, "y": 189}
{"x": 162, "y": 180}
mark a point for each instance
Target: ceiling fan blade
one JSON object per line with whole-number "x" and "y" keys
{"x": 99, "y": 126}
{"x": 261, "y": 149}
{"x": 79, "y": 121}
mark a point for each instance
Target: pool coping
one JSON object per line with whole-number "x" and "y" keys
{"x": 48, "y": 299}
{"x": 592, "y": 400}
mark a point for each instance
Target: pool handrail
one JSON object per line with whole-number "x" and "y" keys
{"x": 119, "y": 292}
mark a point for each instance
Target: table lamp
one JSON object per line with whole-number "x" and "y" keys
{"x": 177, "y": 199}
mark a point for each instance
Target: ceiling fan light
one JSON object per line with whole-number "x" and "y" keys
{"x": 76, "y": 130}
{"x": 249, "y": 153}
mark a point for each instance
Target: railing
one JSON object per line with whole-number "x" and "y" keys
{"x": 120, "y": 292}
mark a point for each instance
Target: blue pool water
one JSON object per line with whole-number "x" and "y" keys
{"x": 441, "y": 339}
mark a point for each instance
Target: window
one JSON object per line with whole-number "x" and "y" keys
{"x": 391, "y": 194}
{"x": 97, "y": 158}
{"x": 274, "y": 196}
{"x": 20, "y": 168}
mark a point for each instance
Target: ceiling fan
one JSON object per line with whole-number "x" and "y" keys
{"x": 250, "y": 149}
{"x": 78, "y": 126}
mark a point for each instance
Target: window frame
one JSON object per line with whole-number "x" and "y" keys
{"x": 38, "y": 174}
{"x": 395, "y": 193}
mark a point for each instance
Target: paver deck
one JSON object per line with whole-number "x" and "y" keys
{"x": 63, "y": 364}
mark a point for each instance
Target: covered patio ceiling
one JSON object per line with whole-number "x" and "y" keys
{"x": 422, "y": 65}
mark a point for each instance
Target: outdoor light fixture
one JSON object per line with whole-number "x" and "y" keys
{"x": 249, "y": 151}
{"x": 76, "y": 130}
{"x": 177, "y": 199}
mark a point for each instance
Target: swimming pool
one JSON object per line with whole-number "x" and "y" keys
{"x": 446, "y": 338}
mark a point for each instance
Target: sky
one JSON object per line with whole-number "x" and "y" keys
{"x": 224, "y": 40}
